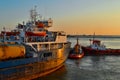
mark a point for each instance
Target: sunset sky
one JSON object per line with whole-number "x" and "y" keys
{"x": 71, "y": 16}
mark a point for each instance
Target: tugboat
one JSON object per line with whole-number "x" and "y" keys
{"x": 96, "y": 48}
{"x": 31, "y": 50}
{"x": 76, "y": 52}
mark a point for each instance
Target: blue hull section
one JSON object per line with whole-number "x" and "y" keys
{"x": 23, "y": 61}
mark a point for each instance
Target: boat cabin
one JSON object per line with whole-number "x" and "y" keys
{"x": 96, "y": 44}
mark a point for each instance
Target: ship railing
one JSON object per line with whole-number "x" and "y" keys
{"x": 38, "y": 46}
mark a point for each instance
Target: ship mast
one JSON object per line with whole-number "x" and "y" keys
{"x": 34, "y": 17}
{"x": 77, "y": 41}
{"x": 33, "y": 14}
{"x": 4, "y": 36}
{"x": 93, "y": 36}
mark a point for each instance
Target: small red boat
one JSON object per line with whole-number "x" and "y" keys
{"x": 96, "y": 48}
{"x": 76, "y": 52}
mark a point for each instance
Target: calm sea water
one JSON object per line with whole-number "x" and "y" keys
{"x": 90, "y": 67}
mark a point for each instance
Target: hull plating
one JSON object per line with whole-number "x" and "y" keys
{"x": 30, "y": 68}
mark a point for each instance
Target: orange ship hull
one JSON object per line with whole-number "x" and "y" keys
{"x": 76, "y": 56}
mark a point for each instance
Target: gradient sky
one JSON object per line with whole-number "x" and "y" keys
{"x": 72, "y": 16}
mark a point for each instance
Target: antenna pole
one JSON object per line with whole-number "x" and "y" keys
{"x": 93, "y": 36}
{"x": 33, "y": 14}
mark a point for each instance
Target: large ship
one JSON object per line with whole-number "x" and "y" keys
{"x": 31, "y": 50}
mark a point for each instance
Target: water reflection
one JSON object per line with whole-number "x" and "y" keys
{"x": 77, "y": 62}
{"x": 97, "y": 62}
{"x": 88, "y": 68}
{"x": 55, "y": 75}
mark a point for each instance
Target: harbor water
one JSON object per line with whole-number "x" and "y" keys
{"x": 90, "y": 67}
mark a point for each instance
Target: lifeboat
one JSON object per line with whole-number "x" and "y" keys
{"x": 11, "y": 51}
{"x": 76, "y": 52}
{"x": 36, "y": 33}
{"x": 39, "y": 24}
{"x": 10, "y": 33}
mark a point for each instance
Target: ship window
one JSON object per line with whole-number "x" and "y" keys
{"x": 61, "y": 34}
{"x": 60, "y": 45}
{"x": 48, "y": 54}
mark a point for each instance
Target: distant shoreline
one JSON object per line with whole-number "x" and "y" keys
{"x": 96, "y": 36}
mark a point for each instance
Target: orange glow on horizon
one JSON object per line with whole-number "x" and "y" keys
{"x": 101, "y": 24}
